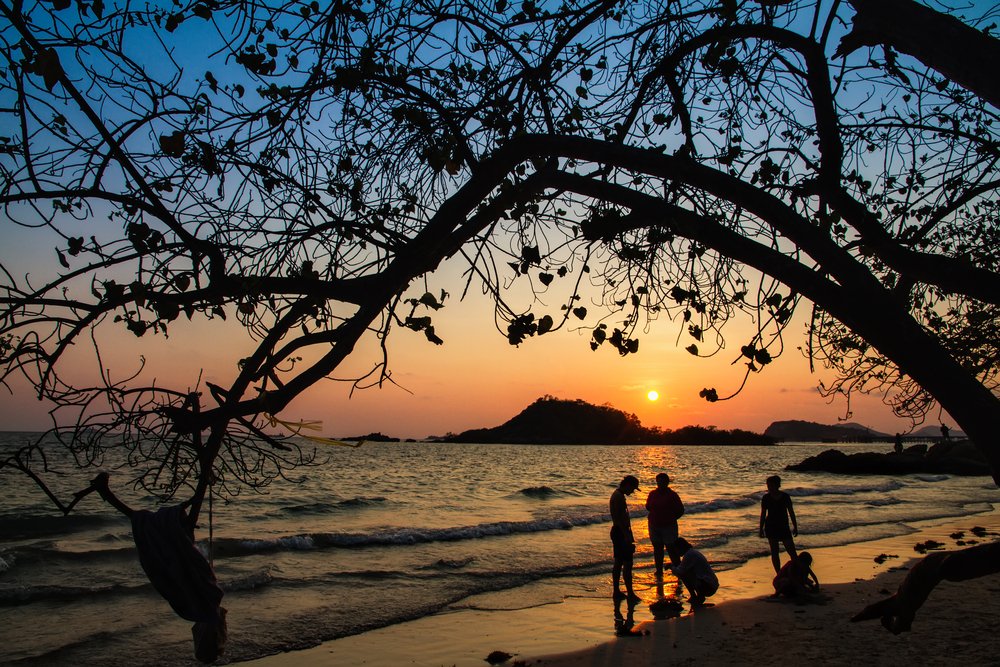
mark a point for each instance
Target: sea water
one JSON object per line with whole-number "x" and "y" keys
{"x": 391, "y": 532}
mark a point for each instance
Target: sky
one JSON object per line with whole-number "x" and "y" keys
{"x": 477, "y": 379}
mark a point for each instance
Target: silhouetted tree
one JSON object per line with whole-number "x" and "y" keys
{"x": 297, "y": 166}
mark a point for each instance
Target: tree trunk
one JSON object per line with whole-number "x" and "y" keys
{"x": 959, "y": 52}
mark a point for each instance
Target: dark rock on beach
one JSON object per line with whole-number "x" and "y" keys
{"x": 947, "y": 457}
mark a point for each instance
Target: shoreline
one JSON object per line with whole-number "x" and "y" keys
{"x": 741, "y": 626}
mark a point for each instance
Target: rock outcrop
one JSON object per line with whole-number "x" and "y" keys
{"x": 949, "y": 457}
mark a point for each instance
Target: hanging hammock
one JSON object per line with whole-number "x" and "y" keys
{"x": 180, "y": 573}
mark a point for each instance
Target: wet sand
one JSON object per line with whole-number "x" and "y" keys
{"x": 958, "y": 624}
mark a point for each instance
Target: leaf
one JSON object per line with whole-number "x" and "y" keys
{"x": 530, "y": 254}
{"x": 710, "y": 395}
{"x": 172, "y": 144}
{"x": 545, "y": 325}
{"x": 138, "y": 327}
{"x": 693, "y": 349}
{"x": 173, "y": 21}
{"x": 545, "y": 278}
{"x": 62, "y": 258}
{"x": 580, "y": 312}
{"x": 520, "y": 328}
{"x": 46, "y": 64}
{"x": 75, "y": 245}
{"x": 167, "y": 311}
{"x": 432, "y": 337}
{"x": 430, "y": 301}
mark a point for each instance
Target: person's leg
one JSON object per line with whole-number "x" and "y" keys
{"x": 692, "y": 586}
{"x": 775, "y": 557}
{"x": 658, "y": 558}
{"x": 790, "y": 547}
{"x": 627, "y": 576}
{"x": 616, "y": 576}
{"x": 675, "y": 558}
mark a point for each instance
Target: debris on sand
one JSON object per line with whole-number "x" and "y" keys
{"x": 929, "y": 545}
{"x": 881, "y": 558}
{"x": 666, "y": 608}
{"x": 498, "y": 657}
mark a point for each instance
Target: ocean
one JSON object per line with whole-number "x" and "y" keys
{"x": 390, "y": 532}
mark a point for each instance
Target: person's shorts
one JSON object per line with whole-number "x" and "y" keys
{"x": 780, "y": 533}
{"x": 663, "y": 534}
{"x": 708, "y": 588}
{"x": 622, "y": 548}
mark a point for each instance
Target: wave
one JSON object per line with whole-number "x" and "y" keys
{"x": 234, "y": 547}
{"x": 932, "y": 478}
{"x": 844, "y": 489}
{"x": 327, "y": 507}
{"x": 883, "y": 502}
{"x": 736, "y": 502}
{"x": 48, "y": 551}
{"x": 717, "y": 504}
{"x": 20, "y": 595}
{"x": 540, "y": 492}
{"x": 449, "y": 564}
{"x": 33, "y": 526}
{"x": 248, "y": 582}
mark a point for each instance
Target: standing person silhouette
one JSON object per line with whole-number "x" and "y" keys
{"x": 775, "y": 511}
{"x": 622, "y": 541}
{"x": 665, "y": 507}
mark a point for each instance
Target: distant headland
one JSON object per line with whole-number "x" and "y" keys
{"x": 804, "y": 431}
{"x": 554, "y": 421}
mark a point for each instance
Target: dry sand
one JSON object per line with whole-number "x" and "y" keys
{"x": 960, "y": 623}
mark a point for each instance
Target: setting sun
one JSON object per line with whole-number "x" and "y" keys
{"x": 653, "y": 395}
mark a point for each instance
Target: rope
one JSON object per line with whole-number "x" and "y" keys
{"x": 211, "y": 527}
{"x": 297, "y": 427}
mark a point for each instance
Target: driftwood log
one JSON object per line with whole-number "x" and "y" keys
{"x": 898, "y": 611}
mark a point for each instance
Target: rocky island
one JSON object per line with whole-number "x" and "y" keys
{"x": 553, "y": 421}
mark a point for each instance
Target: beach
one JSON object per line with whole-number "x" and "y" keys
{"x": 439, "y": 554}
{"x": 957, "y": 625}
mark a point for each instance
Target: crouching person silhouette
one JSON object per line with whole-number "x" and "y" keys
{"x": 796, "y": 578}
{"x": 695, "y": 573}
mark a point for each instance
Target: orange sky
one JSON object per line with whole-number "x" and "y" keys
{"x": 477, "y": 379}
